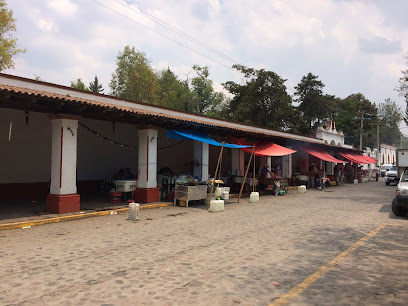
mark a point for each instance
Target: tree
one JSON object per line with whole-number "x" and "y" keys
{"x": 134, "y": 78}
{"x": 348, "y": 119}
{"x": 78, "y": 84}
{"x": 174, "y": 93}
{"x": 262, "y": 101}
{"x": 8, "y": 43}
{"x": 314, "y": 106}
{"x": 206, "y": 98}
{"x": 403, "y": 88}
{"x": 389, "y": 116}
{"x": 38, "y": 78}
{"x": 95, "y": 86}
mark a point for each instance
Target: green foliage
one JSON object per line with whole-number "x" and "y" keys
{"x": 403, "y": 88}
{"x": 134, "y": 78}
{"x": 389, "y": 115}
{"x": 262, "y": 101}
{"x": 8, "y": 43}
{"x": 95, "y": 86}
{"x": 78, "y": 84}
{"x": 38, "y": 78}
{"x": 314, "y": 106}
{"x": 206, "y": 99}
{"x": 174, "y": 93}
{"x": 348, "y": 119}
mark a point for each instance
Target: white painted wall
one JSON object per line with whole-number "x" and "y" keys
{"x": 99, "y": 159}
{"x": 27, "y": 157}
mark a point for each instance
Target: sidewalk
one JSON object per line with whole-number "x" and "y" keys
{"x": 32, "y": 214}
{"x": 27, "y": 214}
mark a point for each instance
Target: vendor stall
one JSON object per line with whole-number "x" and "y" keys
{"x": 190, "y": 193}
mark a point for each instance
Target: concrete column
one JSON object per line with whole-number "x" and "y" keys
{"x": 269, "y": 162}
{"x": 63, "y": 197}
{"x": 262, "y": 162}
{"x": 147, "y": 190}
{"x": 287, "y": 165}
{"x": 237, "y": 161}
{"x": 201, "y": 157}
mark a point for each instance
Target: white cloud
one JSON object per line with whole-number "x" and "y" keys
{"x": 45, "y": 25}
{"x": 63, "y": 7}
{"x": 291, "y": 38}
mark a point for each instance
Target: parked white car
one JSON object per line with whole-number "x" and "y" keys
{"x": 400, "y": 202}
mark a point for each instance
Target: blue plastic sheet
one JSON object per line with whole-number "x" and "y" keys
{"x": 182, "y": 135}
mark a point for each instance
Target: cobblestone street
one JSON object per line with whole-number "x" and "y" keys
{"x": 249, "y": 254}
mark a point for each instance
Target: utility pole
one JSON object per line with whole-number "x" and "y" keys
{"x": 361, "y": 129}
{"x": 378, "y": 144}
{"x": 361, "y": 132}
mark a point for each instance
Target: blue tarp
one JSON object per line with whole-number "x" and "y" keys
{"x": 182, "y": 135}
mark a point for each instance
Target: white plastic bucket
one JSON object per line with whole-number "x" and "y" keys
{"x": 218, "y": 192}
{"x": 254, "y": 197}
{"x": 302, "y": 189}
{"x": 133, "y": 211}
{"x": 225, "y": 195}
{"x": 216, "y": 205}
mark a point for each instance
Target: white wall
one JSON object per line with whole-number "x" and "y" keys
{"x": 27, "y": 157}
{"x": 98, "y": 158}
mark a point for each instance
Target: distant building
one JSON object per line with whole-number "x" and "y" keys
{"x": 387, "y": 154}
{"x": 331, "y": 136}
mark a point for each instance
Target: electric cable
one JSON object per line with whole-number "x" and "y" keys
{"x": 174, "y": 29}
{"x": 157, "y": 32}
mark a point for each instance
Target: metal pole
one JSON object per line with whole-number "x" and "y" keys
{"x": 378, "y": 143}
{"x": 246, "y": 173}
{"x": 215, "y": 175}
{"x": 361, "y": 133}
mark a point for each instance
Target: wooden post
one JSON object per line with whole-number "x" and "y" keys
{"x": 246, "y": 173}
{"x": 215, "y": 175}
{"x": 253, "y": 178}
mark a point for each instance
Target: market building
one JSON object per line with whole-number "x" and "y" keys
{"x": 61, "y": 144}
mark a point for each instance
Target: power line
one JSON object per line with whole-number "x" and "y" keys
{"x": 157, "y": 32}
{"x": 174, "y": 30}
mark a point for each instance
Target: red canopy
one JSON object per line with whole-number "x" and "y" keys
{"x": 358, "y": 158}
{"x": 264, "y": 148}
{"x": 322, "y": 154}
{"x": 369, "y": 159}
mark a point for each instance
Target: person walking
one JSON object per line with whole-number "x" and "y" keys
{"x": 377, "y": 173}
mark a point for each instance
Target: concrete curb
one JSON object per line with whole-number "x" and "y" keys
{"x": 23, "y": 224}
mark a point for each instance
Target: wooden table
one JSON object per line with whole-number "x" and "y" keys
{"x": 190, "y": 193}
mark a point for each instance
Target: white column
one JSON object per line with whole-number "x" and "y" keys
{"x": 237, "y": 161}
{"x": 63, "y": 156}
{"x": 269, "y": 162}
{"x": 147, "y": 161}
{"x": 287, "y": 166}
{"x": 201, "y": 156}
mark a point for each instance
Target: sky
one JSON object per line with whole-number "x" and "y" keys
{"x": 352, "y": 46}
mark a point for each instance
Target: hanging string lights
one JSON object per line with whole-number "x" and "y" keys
{"x": 121, "y": 144}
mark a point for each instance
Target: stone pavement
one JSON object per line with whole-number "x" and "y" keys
{"x": 249, "y": 254}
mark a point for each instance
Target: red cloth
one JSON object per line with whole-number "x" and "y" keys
{"x": 358, "y": 158}
{"x": 322, "y": 154}
{"x": 264, "y": 148}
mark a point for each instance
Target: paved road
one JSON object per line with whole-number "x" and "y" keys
{"x": 338, "y": 247}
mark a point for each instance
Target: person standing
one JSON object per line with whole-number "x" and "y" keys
{"x": 377, "y": 173}
{"x": 263, "y": 175}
